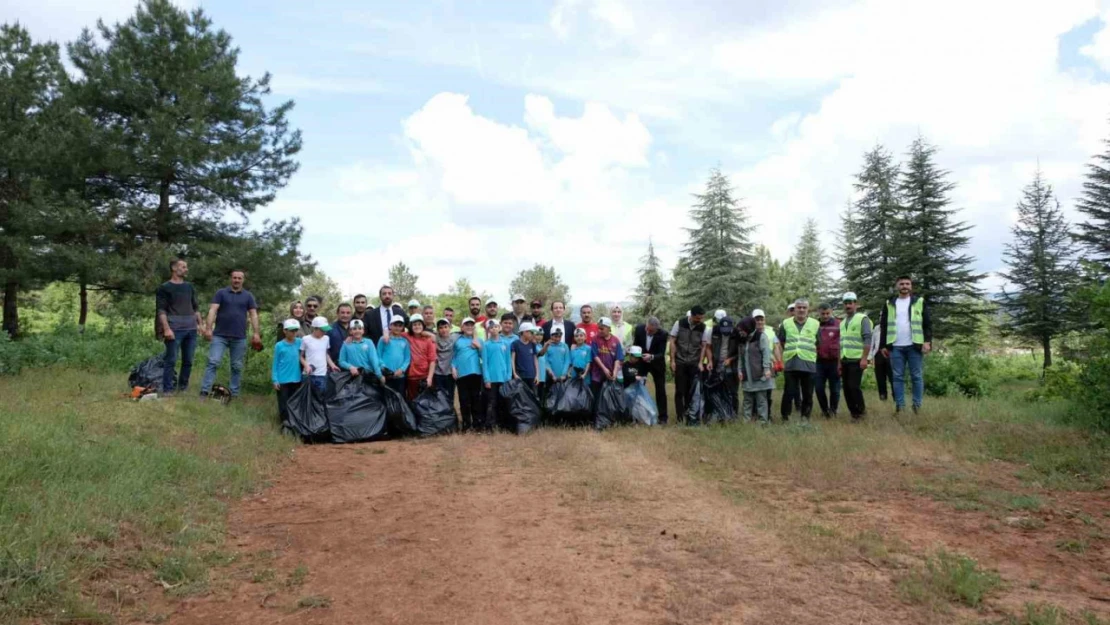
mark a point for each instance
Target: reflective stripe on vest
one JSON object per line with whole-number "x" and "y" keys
{"x": 851, "y": 337}
{"x": 917, "y": 311}
{"x": 802, "y": 344}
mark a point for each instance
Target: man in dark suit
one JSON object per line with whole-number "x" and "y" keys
{"x": 378, "y": 319}
{"x": 558, "y": 309}
{"x": 651, "y": 338}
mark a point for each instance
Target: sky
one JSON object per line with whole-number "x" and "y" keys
{"x": 475, "y": 139}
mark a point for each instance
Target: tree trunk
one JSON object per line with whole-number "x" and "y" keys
{"x": 11, "y": 309}
{"x": 83, "y": 316}
{"x": 1046, "y": 341}
{"x": 162, "y": 215}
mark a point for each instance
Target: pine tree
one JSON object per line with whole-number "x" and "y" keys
{"x": 718, "y": 253}
{"x": 929, "y": 245}
{"x": 652, "y": 289}
{"x": 867, "y": 255}
{"x": 403, "y": 281}
{"x": 777, "y": 280}
{"x": 1094, "y": 233}
{"x": 1040, "y": 271}
{"x": 809, "y": 266}
{"x": 540, "y": 282}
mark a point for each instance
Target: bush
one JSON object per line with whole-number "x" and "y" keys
{"x": 1061, "y": 381}
{"x": 959, "y": 372}
{"x": 1093, "y": 392}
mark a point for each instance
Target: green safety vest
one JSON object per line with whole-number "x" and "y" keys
{"x": 803, "y": 343}
{"x": 851, "y": 337}
{"x": 917, "y": 312}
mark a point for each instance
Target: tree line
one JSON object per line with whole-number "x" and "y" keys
{"x": 155, "y": 147}
{"x": 902, "y": 221}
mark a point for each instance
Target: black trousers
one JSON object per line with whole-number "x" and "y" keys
{"x": 828, "y": 375}
{"x": 397, "y": 384}
{"x": 447, "y": 383}
{"x": 684, "y": 376}
{"x": 470, "y": 401}
{"x": 883, "y": 374}
{"x": 799, "y": 388}
{"x": 657, "y": 369}
{"x": 283, "y": 395}
{"x": 494, "y": 413}
{"x": 852, "y": 377}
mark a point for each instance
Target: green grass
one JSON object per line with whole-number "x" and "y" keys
{"x": 948, "y": 577}
{"x": 94, "y": 484}
{"x": 314, "y": 601}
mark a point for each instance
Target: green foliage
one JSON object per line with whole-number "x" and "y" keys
{"x": 961, "y": 372}
{"x": 949, "y": 577}
{"x": 1094, "y": 400}
{"x": 92, "y": 482}
{"x": 718, "y": 251}
{"x": 810, "y": 268}
{"x": 403, "y": 281}
{"x": 1040, "y": 270}
{"x": 319, "y": 284}
{"x": 651, "y": 292}
{"x": 867, "y": 248}
{"x": 1061, "y": 381}
{"x": 540, "y": 282}
{"x": 1094, "y": 233}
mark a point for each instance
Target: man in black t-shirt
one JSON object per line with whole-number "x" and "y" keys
{"x": 228, "y": 314}
{"x": 178, "y": 320}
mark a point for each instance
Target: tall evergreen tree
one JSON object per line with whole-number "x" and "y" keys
{"x": 1040, "y": 271}
{"x": 778, "y": 284}
{"x": 929, "y": 245}
{"x": 867, "y": 255}
{"x": 403, "y": 281}
{"x": 719, "y": 250}
{"x": 652, "y": 289}
{"x": 809, "y": 266}
{"x": 1094, "y": 233}
{"x": 32, "y": 211}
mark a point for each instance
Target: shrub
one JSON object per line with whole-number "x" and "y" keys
{"x": 950, "y": 577}
{"x": 1093, "y": 392}
{"x": 959, "y": 372}
{"x": 1061, "y": 381}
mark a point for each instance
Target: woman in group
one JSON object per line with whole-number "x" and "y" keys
{"x": 296, "y": 311}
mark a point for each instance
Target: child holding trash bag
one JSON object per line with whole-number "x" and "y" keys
{"x": 395, "y": 355}
{"x": 581, "y": 355}
{"x": 557, "y": 356}
{"x": 525, "y": 362}
{"x": 636, "y": 370}
{"x": 286, "y": 368}
{"x": 358, "y": 355}
{"x": 314, "y": 354}
{"x": 496, "y": 369}
{"x": 466, "y": 368}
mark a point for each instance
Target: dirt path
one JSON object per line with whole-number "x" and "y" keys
{"x": 559, "y": 527}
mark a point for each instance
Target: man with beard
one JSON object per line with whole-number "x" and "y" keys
{"x": 587, "y": 323}
{"x": 797, "y": 350}
{"x": 686, "y": 350}
{"x": 380, "y": 318}
{"x": 907, "y": 336}
{"x": 361, "y": 306}
{"x": 337, "y": 335}
{"x": 652, "y": 341}
{"x": 474, "y": 305}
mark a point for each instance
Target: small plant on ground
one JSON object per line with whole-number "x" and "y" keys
{"x": 315, "y": 601}
{"x": 949, "y": 577}
{"x": 297, "y": 577}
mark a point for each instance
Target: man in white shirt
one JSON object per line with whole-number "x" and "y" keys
{"x": 907, "y": 335}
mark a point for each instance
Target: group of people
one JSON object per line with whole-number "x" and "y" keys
{"x": 410, "y": 349}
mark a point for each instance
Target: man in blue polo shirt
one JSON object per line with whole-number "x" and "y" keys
{"x": 226, "y": 328}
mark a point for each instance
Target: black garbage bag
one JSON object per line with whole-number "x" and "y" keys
{"x": 640, "y": 405}
{"x": 610, "y": 406}
{"x": 524, "y": 407}
{"x": 554, "y": 392}
{"x": 575, "y": 403}
{"x": 695, "y": 403}
{"x": 307, "y": 414}
{"x": 398, "y": 415}
{"x": 355, "y": 408}
{"x": 719, "y": 407}
{"x": 147, "y": 374}
{"x": 435, "y": 414}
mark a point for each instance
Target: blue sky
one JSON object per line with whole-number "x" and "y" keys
{"x": 473, "y": 139}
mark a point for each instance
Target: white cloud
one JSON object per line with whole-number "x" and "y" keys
{"x": 1099, "y": 48}
{"x": 293, "y": 84}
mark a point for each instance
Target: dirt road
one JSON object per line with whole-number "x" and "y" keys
{"x": 560, "y": 527}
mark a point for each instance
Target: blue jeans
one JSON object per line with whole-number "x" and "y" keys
{"x": 899, "y": 357}
{"x": 320, "y": 382}
{"x": 220, "y": 344}
{"x": 186, "y": 341}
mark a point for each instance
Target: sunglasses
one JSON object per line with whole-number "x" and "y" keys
{"x": 312, "y": 306}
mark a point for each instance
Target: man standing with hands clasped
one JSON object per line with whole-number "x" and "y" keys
{"x": 797, "y": 350}
{"x": 907, "y": 336}
{"x": 178, "y": 321}
{"x": 855, "y": 348}
{"x": 227, "y": 330}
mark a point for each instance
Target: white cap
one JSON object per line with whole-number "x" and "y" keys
{"x": 291, "y": 324}
{"x": 758, "y": 312}
{"x": 467, "y": 320}
{"x": 850, "y": 296}
{"x": 320, "y": 322}
{"x": 636, "y": 351}
{"x": 414, "y": 304}
{"x": 557, "y": 330}
{"x": 605, "y": 321}
{"x": 399, "y": 319}
{"x": 720, "y": 314}
{"x": 490, "y": 323}
{"x": 442, "y": 320}
{"x": 581, "y": 331}
{"x": 527, "y": 326}
{"x": 518, "y": 298}
{"x": 355, "y": 323}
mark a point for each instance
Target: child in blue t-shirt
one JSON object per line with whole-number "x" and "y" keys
{"x": 285, "y": 372}
{"x": 358, "y": 355}
{"x": 581, "y": 355}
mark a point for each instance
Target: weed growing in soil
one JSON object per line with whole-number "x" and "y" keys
{"x": 949, "y": 577}
{"x": 314, "y": 601}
